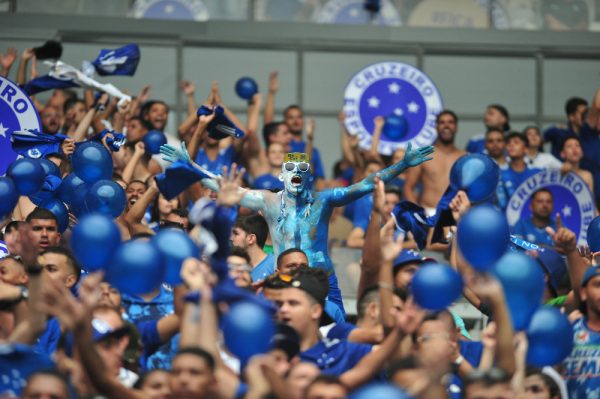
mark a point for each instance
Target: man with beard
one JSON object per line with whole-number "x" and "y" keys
{"x": 533, "y": 229}
{"x": 435, "y": 175}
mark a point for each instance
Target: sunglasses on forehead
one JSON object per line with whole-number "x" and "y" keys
{"x": 302, "y": 166}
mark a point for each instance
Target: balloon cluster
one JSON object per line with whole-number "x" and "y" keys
{"x": 36, "y": 178}
{"x": 134, "y": 267}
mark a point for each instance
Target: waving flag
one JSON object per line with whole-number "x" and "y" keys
{"x": 121, "y": 61}
{"x": 50, "y": 81}
{"x": 34, "y": 144}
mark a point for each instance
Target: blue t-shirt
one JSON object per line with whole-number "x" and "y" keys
{"x": 264, "y": 268}
{"x": 300, "y": 146}
{"x": 530, "y": 232}
{"x": 334, "y": 357}
{"x": 555, "y": 136}
{"x": 267, "y": 182}
{"x": 340, "y": 330}
{"x": 225, "y": 157}
{"x": 17, "y": 363}
{"x": 48, "y": 341}
{"x": 590, "y": 142}
{"x": 362, "y": 212}
{"x": 581, "y": 367}
{"x": 509, "y": 181}
{"x": 137, "y": 310}
{"x": 476, "y": 144}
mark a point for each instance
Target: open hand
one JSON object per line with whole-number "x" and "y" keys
{"x": 418, "y": 156}
{"x": 172, "y": 154}
{"x": 6, "y": 60}
{"x": 229, "y": 186}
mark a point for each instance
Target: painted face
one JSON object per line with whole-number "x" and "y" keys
{"x": 295, "y": 176}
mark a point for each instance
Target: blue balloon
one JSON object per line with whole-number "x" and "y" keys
{"x": 95, "y": 239}
{"x": 50, "y": 167}
{"x": 68, "y": 186}
{"x": 483, "y": 236}
{"x": 8, "y": 196}
{"x": 136, "y": 268}
{"x": 92, "y": 162}
{"x": 254, "y": 324}
{"x": 550, "y": 337}
{"x": 476, "y": 174}
{"x": 395, "y": 127}
{"x": 27, "y": 174}
{"x": 523, "y": 283}
{"x": 246, "y": 87}
{"x": 105, "y": 197}
{"x": 153, "y": 140}
{"x": 442, "y": 280}
{"x": 379, "y": 391}
{"x": 175, "y": 246}
{"x": 593, "y": 234}
{"x": 58, "y": 208}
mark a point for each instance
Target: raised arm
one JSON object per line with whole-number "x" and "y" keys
{"x": 378, "y": 128}
{"x": 371, "y": 257}
{"x": 22, "y": 69}
{"x": 594, "y": 111}
{"x": 7, "y": 60}
{"x": 269, "y": 112}
{"x": 343, "y": 196}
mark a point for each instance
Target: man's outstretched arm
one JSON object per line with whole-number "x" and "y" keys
{"x": 343, "y": 196}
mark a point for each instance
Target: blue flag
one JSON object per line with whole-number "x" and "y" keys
{"x": 221, "y": 126}
{"x": 121, "y": 61}
{"x": 47, "y": 82}
{"x": 34, "y": 144}
{"x": 176, "y": 178}
{"x": 411, "y": 217}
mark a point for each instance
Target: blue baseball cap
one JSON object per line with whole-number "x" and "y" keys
{"x": 407, "y": 256}
{"x": 101, "y": 330}
{"x": 590, "y": 273}
{"x": 554, "y": 266}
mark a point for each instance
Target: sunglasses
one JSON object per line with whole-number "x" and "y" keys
{"x": 302, "y": 166}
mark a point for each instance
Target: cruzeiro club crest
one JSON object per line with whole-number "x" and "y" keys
{"x": 170, "y": 9}
{"x": 402, "y": 94}
{"x": 571, "y": 196}
{"x": 17, "y": 112}
{"x": 353, "y": 12}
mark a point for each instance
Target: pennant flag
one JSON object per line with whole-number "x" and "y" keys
{"x": 48, "y": 190}
{"x": 34, "y": 144}
{"x": 443, "y": 216}
{"x": 221, "y": 126}
{"x": 121, "y": 61}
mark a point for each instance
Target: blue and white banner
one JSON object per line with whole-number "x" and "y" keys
{"x": 572, "y": 198}
{"x": 17, "y": 112}
{"x": 121, "y": 61}
{"x": 353, "y": 12}
{"x": 192, "y": 10}
{"x": 397, "y": 91}
{"x": 53, "y": 80}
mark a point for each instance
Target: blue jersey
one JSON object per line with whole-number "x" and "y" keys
{"x": 555, "y": 135}
{"x": 509, "y": 181}
{"x": 48, "y": 341}
{"x": 17, "y": 362}
{"x": 476, "y": 144}
{"x": 526, "y": 230}
{"x": 267, "y": 182}
{"x": 340, "y": 330}
{"x": 334, "y": 357}
{"x": 263, "y": 269}
{"x": 300, "y": 146}
{"x": 138, "y": 310}
{"x": 582, "y": 366}
{"x": 590, "y": 143}
{"x": 225, "y": 157}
